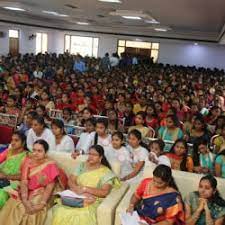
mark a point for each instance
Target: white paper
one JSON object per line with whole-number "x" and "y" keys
{"x": 128, "y": 219}
{"x": 69, "y": 193}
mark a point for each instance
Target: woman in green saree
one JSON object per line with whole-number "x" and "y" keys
{"x": 10, "y": 167}
{"x": 93, "y": 179}
{"x": 205, "y": 206}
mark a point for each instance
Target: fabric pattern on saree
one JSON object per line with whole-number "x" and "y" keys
{"x": 86, "y": 215}
{"x": 38, "y": 178}
{"x": 159, "y": 207}
{"x": 10, "y": 166}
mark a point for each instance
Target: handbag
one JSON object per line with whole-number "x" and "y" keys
{"x": 72, "y": 202}
{"x": 4, "y": 183}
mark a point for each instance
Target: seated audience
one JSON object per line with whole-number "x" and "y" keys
{"x": 157, "y": 199}
{"x": 39, "y": 131}
{"x": 64, "y": 143}
{"x": 138, "y": 155}
{"x": 93, "y": 179}
{"x": 205, "y": 206}
{"x": 179, "y": 158}
{"x": 156, "y": 154}
{"x": 10, "y": 163}
{"x": 38, "y": 178}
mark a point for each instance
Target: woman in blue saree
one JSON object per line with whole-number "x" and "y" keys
{"x": 159, "y": 198}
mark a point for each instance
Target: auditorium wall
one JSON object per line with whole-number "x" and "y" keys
{"x": 171, "y": 51}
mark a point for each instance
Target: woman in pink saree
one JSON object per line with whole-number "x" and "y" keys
{"x": 30, "y": 204}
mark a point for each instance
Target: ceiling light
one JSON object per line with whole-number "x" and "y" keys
{"x": 50, "y": 12}
{"x": 132, "y": 17}
{"x": 160, "y": 29}
{"x": 195, "y": 43}
{"x": 63, "y": 15}
{"x": 82, "y": 23}
{"x": 14, "y": 8}
{"x": 111, "y": 1}
{"x": 153, "y": 21}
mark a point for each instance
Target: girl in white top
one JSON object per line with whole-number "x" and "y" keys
{"x": 100, "y": 136}
{"x": 83, "y": 143}
{"x": 64, "y": 143}
{"x": 39, "y": 131}
{"x": 156, "y": 153}
{"x": 139, "y": 155}
{"x": 118, "y": 156}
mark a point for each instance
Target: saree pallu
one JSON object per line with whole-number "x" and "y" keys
{"x": 87, "y": 215}
{"x": 159, "y": 207}
{"x": 10, "y": 166}
{"x": 177, "y": 160}
{"x": 38, "y": 177}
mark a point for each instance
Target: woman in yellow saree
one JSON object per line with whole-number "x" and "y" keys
{"x": 10, "y": 164}
{"x": 93, "y": 179}
{"x": 28, "y": 206}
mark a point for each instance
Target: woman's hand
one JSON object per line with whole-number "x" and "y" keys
{"x": 130, "y": 209}
{"x": 206, "y": 208}
{"x": 201, "y": 205}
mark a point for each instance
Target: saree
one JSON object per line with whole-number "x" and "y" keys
{"x": 38, "y": 177}
{"x": 216, "y": 211}
{"x": 87, "y": 215}
{"x": 11, "y": 165}
{"x": 169, "y": 136}
{"x": 159, "y": 207}
{"x": 176, "y": 162}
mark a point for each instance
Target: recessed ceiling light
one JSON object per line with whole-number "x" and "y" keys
{"x": 82, "y": 23}
{"x": 63, "y": 15}
{"x": 195, "y": 43}
{"x": 132, "y": 17}
{"x": 153, "y": 21}
{"x": 50, "y": 12}
{"x": 160, "y": 29}
{"x": 14, "y": 8}
{"x": 111, "y": 1}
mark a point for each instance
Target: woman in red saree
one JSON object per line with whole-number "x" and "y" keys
{"x": 29, "y": 205}
{"x": 159, "y": 198}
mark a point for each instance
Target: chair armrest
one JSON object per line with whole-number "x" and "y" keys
{"x": 106, "y": 210}
{"x": 124, "y": 203}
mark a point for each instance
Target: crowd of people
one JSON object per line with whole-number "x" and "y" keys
{"x": 126, "y": 114}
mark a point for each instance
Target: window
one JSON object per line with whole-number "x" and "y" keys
{"x": 85, "y": 46}
{"x": 41, "y": 43}
{"x": 13, "y": 33}
{"x": 153, "y": 47}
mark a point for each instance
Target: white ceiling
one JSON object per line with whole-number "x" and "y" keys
{"x": 188, "y": 19}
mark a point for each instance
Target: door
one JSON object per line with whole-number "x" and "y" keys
{"x": 14, "y": 46}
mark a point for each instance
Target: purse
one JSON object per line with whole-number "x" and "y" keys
{"x": 4, "y": 183}
{"x": 72, "y": 202}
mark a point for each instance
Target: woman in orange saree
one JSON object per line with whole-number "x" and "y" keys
{"x": 29, "y": 205}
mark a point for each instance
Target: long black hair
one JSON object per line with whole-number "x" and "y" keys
{"x": 183, "y": 165}
{"x": 40, "y": 120}
{"x": 138, "y": 135}
{"x": 100, "y": 150}
{"x": 59, "y": 123}
{"x": 201, "y": 141}
{"x": 216, "y": 198}
{"x": 101, "y": 121}
{"x": 165, "y": 173}
{"x": 22, "y": 138}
